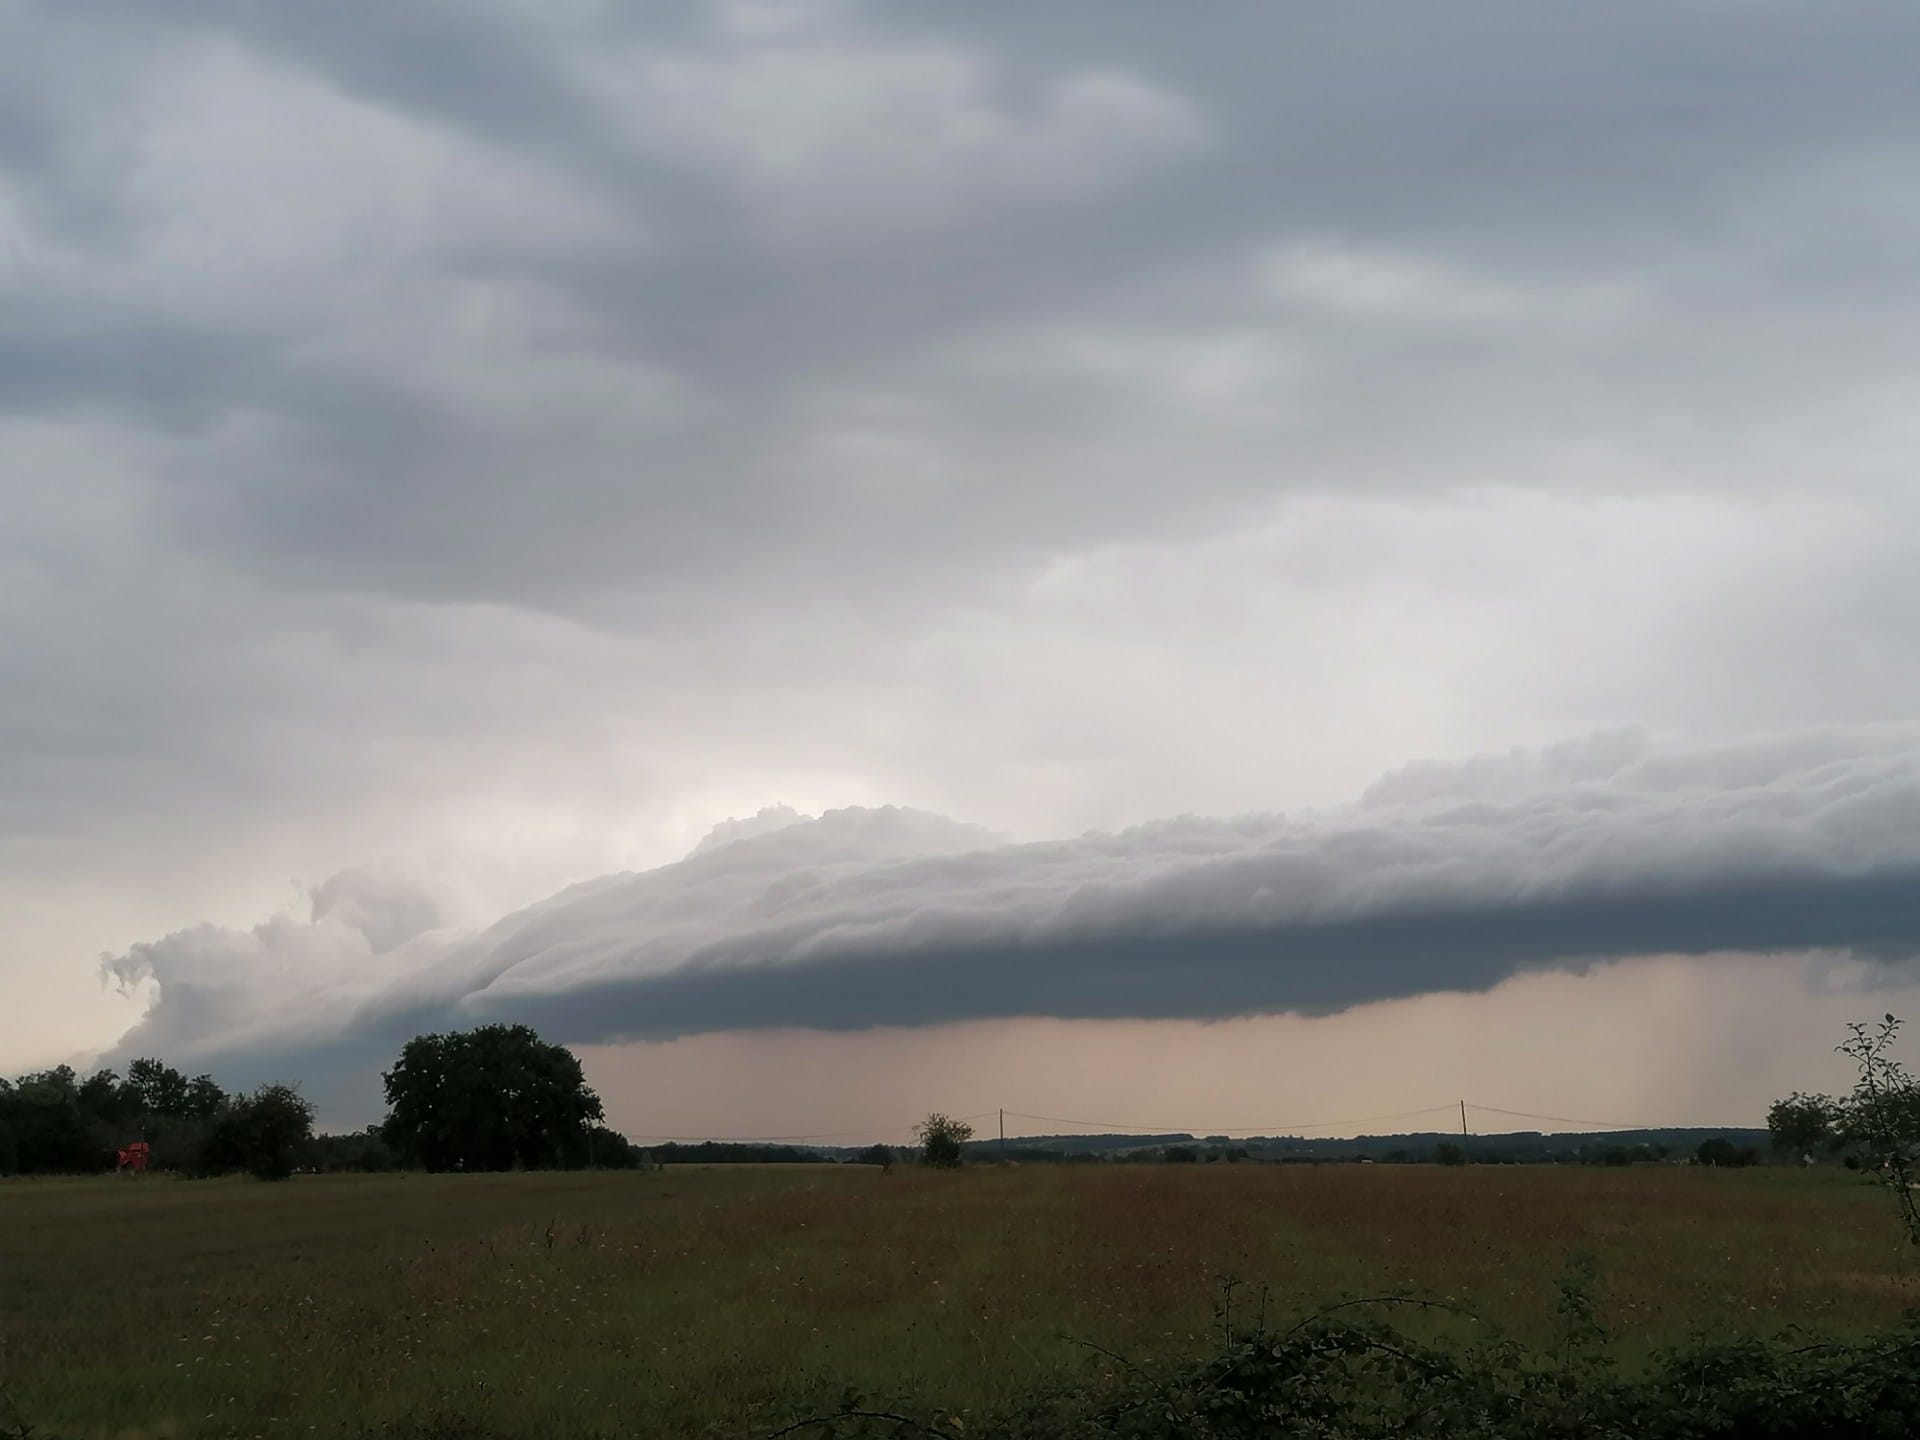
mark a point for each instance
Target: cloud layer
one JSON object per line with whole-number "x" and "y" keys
{"x": 1442, "y": 877}
{"x": 505, "y": 436}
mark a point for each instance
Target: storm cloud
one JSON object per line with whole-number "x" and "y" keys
{"x": 492, "y": 441}
{"x": 1442, "y": 877}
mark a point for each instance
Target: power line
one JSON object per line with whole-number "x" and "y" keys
{"x": 1115, "y": 1127}
{"x": 783, "y": 1139}
{"x": 1286, "y": 1128}
{"x": 768, "y": 1139}
{"x": 1600, "y": 1124}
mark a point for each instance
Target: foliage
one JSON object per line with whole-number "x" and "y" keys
{"x": 1448, "y": 1153}
{"x": 1803, "y": 1123}
{"x": 1877, "y": 1125}
{"x": 1621, "y": 1155}
{"x": 265, "y": 1134}
{"x": 1882, "y": 1116}
{"x": 942, "y": 1139}
{"x": 54, "y": 1122}
{"x": 362, "y": 1151}
{"x": 731, "y": 1152}
{"x": 494, "y": 1098}
{"x": 1332, "y": 1376}
{"x": 1722, "y": 1152}
{"x": 881, "y": 1155}
{"x": 599, "y": 1148}
{"x": 364, "y": 1305}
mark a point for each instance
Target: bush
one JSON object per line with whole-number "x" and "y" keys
{"x": 358, "y": 1151}
{"x": 1724, "y": 1153}
{"x": 265, "y": 1134}
{"x": 942, "y": 1140}
{"x": 1335, "y": 1377}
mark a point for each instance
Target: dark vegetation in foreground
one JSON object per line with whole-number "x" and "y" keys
{"x": 777, "y": 1286}
{"x": 718, "y": 1301}
{"x": 1342, "y": 1375}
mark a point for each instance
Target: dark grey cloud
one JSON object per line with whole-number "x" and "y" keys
{"x": 1441, "y": 879}
{"x": 963, "y": 257}
{"x": 518, "y": 432}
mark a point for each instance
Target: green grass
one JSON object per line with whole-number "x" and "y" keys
{"x": 666, "y": 1304}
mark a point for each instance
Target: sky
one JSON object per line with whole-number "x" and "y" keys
{"x": 1256, "y": 563}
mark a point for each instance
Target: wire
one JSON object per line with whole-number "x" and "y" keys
{"x": 782, "y": 1139}
{"x": 1601, "y": 1124}
{"x": 767, "y": 1139}
{"x": 1114, "y": 1127}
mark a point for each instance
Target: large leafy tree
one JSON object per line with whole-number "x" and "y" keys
{"x": 495, "y": 1098}
{"x": 1804, "y": 1123}
{"x": 267, "y": 1133}
{"x": 155, "y": 1088}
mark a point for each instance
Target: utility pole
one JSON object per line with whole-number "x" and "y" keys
{"x": 1003, "y": 1132}
{"x": 1465, "y": 1148}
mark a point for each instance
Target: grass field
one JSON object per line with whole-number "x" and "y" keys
{"x": 679, "y": 1302}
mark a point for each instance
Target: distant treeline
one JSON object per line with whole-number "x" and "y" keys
{"x": 724, "y": 1152}
{"x": 54, "y": 1122}
{"x": 1622, "y": 1147}
{"x": 446, "y": 1114}
{"x": 57, "y": 1122}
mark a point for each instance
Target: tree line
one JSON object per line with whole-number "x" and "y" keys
{"x": 55, "y": 1122}
{"x": 493, "y": 1098}
{"x": 1877, "y": 1120}
{"x": 500, "y": 1098}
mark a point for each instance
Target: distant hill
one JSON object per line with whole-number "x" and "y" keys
{"x": 1516, "y": 1147}
{"x": 1520, "y": 1147}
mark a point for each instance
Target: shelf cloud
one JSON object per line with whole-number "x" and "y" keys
{"x": 1441, "y": 877}
{"x": 506, "y": 437}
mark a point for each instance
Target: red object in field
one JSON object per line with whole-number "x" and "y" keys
{"x": 134, "y": 1157}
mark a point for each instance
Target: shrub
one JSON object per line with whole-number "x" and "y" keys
{"x": 1339, "y": 1375}
{"x": 942, "y": 1139}
{"x": 1722, "y": 1152}
{"x": 265, "y": 1134}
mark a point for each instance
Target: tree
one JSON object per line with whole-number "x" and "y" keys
{"x": 203, "y": 1098}
{"x": 53, "y": 1131}
{"x": 881, "y": 1155}
{"x": 1803, "y": 1123}
{"x": 102, "y": 1097}
{"x": 488, "y": 1099}
{"x": 1881, "y": 1118}
{"x": 941, "y": 1138}
{"x": 1722, "y": 1152}
{"x": 153, "y": 1088}
{"x": 265, "y": 1133}
{"x": 359, "y": 1151}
